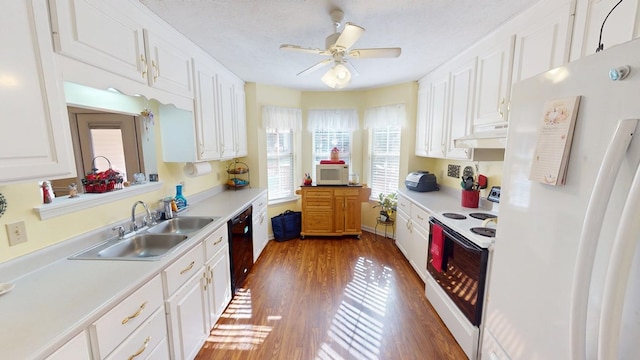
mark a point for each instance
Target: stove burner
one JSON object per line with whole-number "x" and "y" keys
{"x": 482, "y": 216}
{"x": 454, "y": 216}
{"x": 488, "y": 232}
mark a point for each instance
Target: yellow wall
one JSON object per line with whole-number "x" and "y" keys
{"x": 23, "y": 197}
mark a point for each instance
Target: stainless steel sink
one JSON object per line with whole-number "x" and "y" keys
{"x": 181, "y": 225}
{"x": 142, "y": 246}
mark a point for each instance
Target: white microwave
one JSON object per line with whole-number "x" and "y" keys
{"x": 332, "y": 174}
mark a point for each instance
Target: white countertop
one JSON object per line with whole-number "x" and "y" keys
{"x": 52, "y": 303}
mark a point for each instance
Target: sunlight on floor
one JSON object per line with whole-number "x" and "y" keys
{"x": 239, "y": 336}
{"x": 240, "y": 306}
{"x": 357, "y": 326}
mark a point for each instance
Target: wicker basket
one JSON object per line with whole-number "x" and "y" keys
{"x": 102, "y": 181}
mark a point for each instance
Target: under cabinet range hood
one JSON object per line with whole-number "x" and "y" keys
{"x": 494, "y": 138}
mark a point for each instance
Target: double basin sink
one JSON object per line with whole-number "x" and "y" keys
{"x": 151, "y": 243}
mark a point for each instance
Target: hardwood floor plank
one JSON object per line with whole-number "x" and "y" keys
{"x": 331, "y": 298}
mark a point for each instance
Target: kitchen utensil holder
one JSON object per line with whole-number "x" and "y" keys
{"x": 470, "y": 198}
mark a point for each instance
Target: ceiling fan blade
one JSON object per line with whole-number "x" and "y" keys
{"x": 315, "y": 67}
{"x": 303, "y": 49}
{"x": 349, "y": 36}
{"x": 375, "y": 53}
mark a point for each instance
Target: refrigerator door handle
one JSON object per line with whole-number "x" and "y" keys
{"x": 618, "y": 273}
{"x": 590, "y": 233}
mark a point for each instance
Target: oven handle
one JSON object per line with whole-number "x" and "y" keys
{"x": 451, "y": 236}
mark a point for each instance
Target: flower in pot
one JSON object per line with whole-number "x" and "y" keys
{"x": 388, "y": 204}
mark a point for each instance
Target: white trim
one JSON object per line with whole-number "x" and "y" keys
{"x": 66, "y": 205}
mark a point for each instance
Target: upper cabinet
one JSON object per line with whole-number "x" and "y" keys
{"x": 623, "y": 24}
{"x": 37, "y": 141}
{"x": 109, "y": 35}
{"x": 232, "y": 113}
{"x": 471, "y": 93}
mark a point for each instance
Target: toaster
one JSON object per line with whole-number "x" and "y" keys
{"x": 421, "y": 181}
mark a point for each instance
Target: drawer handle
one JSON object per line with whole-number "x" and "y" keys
{"x": 135, "y": 315}
{"x": 218, "y": 241}
{"x": 420, "y": 217}
{"x": 142, "y": 349}
{"x": 188, "y": 268}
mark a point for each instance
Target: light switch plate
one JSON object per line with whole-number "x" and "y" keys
{"x": 17, "y": 233}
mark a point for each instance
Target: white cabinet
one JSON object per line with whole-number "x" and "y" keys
{"x": 622, "y": 25}
{"x": 75, "y": 349}
{"x": 119, "y": 323}
{"x": 412, "y": 234}
{"x": 260, "y": 226}
{"x": 37, "y": 141}
{"x": 493, "y": 85}
{"x": 217, "y": 273}
{"x": 232, "y": 117}
{"x": 422, "y": 118}
{"x": 111, "y": 36}
{"x": 437, "y": 115}
{"x": 460, "y": 117}
{"x": 218, "y": 289}
{"x": 184, "y": 283}
{"x": 187, "y": 317}
{"x": 207, "y": 105}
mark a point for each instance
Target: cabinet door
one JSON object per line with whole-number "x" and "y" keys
{"x": 75, "y": 349}
{"x": 219, "y": 286}
{"x": 352, "y": 214}
{"x": 422, "y": 119}
{"x": 420, "y": 242}
{"x": 462, "y": 83}
{"x": 260, "y": 232}
{"x": 403, "y": 231}
{"x": 543, "y": 45}
{"x": 169, "y": 62}
{"x": 240, "y": 120}
{"x": 37, "y": 142}
{"x": 187, "y": 318}
{"x": 97, "y": 33}
{"x": 493, "y": 82}
{"x": 207, "y": 129}
{"x": 438, "y": 115}
{"x": 225, "y": 116}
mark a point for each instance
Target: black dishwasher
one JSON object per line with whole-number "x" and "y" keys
{"x": 240, "y": 247}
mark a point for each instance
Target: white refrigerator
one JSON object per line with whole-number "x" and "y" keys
{"x": 564, "y": 281}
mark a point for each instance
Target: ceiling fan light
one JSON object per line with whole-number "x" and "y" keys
{"x": 337, "y": 77}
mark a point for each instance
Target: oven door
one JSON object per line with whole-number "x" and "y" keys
{"x": 459, "y": 267}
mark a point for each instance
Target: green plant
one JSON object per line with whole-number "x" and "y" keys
{"x": 388, "y": 204}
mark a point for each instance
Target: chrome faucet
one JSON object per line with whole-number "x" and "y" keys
{"x": 145, "y": 222}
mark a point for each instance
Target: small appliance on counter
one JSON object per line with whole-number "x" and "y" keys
{"x": 421, "y": 181}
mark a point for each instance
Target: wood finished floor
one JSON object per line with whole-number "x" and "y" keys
{"x": 331, "y": 298}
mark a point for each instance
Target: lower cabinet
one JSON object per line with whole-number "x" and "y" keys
{"x": 186, "y": 313}
{"x": 218, "y": 287}
{"x": 127, "y": 320}
{"x": 260, "y": 226}
{"x": 332, "y": 211}
{"x": 75, "y": 349}
{"x": 412, "y": 234}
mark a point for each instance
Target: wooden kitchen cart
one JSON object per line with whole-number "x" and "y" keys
{"x": 332, "y": 210}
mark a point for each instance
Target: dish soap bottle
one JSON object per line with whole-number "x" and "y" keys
{"x": 181, "y": 201}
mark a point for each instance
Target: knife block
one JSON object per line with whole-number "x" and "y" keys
{"x": 470, "y": 198}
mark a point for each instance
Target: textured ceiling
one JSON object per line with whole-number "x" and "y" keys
{"x": 245, "y": 35}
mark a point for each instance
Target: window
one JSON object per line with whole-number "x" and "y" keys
{"x": 280, "y": 164}
{"x": 281, "y": 125}
{"x": 385, "y": 160}
{"x": 325, "y": 140}
{"x": 385, "y": 123}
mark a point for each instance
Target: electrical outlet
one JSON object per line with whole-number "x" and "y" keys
{"x": 17, "y": 233}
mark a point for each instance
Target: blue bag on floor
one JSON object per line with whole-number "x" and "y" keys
{"x": 286, "y": 226}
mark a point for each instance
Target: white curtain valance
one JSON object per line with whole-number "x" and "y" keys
{"x": 333, "y": 119}
{"x": 281, "y": 118}
{"x": 389, "y": 116}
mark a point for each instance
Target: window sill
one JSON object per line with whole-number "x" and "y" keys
{"x": 284, "y": 200}
{"x": 66, "y": 205}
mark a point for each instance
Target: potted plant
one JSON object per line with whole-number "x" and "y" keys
{"x": 388, "y": 204}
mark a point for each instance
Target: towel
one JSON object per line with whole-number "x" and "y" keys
{"x": 331, "y": 161}
{"x": 437, "y": 247}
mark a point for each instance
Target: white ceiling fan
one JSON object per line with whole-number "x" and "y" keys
{"x": 337, "y": 46}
